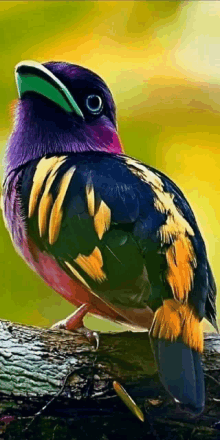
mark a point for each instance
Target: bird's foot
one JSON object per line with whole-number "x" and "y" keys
{"x": 74, "y": 322}
{"x": 60, "y": 325}
{"x": 92, "y": 336}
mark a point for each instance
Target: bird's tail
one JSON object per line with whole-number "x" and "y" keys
{"x": 177, "y": 340}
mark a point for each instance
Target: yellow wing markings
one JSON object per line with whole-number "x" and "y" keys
{"x": 192, "y": 333}
{"x": 90, "y": 195}
{"x": 144, "y": 173}
{"x": 102, "y": 218}
{"x": 92, "y": 265}
{"x": 57, "y": 212}
{"x": 181, "y": 258}
{"x": 77, "y": 274}
{"x": 181, "y": 263}
{"x": 175, "y": 223}
{"x": 43, "y": 168}
{"x": 47, "y": 199}
{"x": 47, "y": 169}
{"x": 173, "y": 319}
{"x": 44, "y": 209}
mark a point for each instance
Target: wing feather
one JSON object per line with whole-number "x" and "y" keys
{"x": 127, "y": 227}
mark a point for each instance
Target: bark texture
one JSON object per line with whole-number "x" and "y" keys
{"x": 54, "y": 385}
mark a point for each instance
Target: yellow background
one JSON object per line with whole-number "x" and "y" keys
{"x": 161, "y": 59}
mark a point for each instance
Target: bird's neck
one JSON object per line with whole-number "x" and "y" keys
{"x": 35, "y": 136}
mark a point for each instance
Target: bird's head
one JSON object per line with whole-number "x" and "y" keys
{"x": 62, "y": 108}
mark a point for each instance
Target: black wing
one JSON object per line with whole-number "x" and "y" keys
{"x": 122, "y": 228}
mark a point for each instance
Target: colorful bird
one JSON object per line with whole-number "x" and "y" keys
{"x": 110, "y": 234}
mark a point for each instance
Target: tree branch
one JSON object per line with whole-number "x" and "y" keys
{"x": 60, "y": 377}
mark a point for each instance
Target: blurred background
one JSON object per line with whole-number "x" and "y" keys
{"x": 161, "y": 60}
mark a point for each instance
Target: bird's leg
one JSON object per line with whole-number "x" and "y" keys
{"x": 74, "y": 322}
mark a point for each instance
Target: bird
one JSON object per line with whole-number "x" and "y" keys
{"x": 111, "y": 234}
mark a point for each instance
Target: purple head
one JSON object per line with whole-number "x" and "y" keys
{"x": 62, "y": 108}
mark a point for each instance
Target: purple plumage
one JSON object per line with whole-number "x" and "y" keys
{"x": 44, "y": 128}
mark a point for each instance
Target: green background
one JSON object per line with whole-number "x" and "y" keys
{"x": 161, "y": 59}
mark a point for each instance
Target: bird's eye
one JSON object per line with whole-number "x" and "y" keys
{"x": 94, "y": 103}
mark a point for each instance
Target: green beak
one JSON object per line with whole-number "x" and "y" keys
{"x": 34, "y": 77}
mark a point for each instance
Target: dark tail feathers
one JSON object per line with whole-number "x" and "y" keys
{"x": 180, "y": 371}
